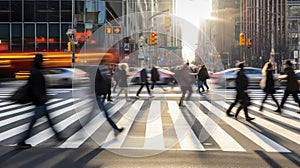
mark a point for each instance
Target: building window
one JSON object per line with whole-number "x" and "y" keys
{"x": 53, "y": 11}
{"x": 41, "y": 11}
{"x": 29, "y": 11}
{"x": 16, "y": 37}
{"x": 4, "y": 11}
{"x": 54, "y": 37}
{"x": 16, "y": 11}
{"x": 66, "y": 11}
{"x": 4, "y": 37}
{"x": 29, "y": 37}
{"x": 41, "y": 37}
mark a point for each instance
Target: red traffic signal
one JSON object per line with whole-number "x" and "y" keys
{"x": 242, "y": 39}
{"x": 153, "y": 39}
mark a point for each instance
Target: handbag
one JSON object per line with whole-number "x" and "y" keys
{"x": 262, "y": 82}
{"x": 22, "y": 95}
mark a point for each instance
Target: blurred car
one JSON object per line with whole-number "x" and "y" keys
{"x": 165, "y": 76}
{"x": 65, "y": 77}
{"x": 227, "y": 77}
{"x": 283, "y": 81}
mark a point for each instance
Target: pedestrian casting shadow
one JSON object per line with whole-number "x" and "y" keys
{"x": 72, "y": 161}
{"x": 9, "y": 155}
{"x": 269, "y": 160}
{"x": 293, "y": 156}
{"x": 45, "y": 157}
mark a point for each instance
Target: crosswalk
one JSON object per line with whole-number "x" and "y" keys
{"x": 156, "y": 124}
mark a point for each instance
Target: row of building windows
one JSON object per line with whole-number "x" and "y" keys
{"x": 35, "y": 36}
{"x": 38, "y": 11}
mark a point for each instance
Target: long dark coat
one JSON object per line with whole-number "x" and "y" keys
{"x": 241, "y": 87}
{"x": 270, "y": 87}
{"x": 144, "y": 76}
{"x": 154, "y": 74}
{"x": 292, "y": 83}
{"x": 37, "y": 84}
{"x": 102, "y": 81}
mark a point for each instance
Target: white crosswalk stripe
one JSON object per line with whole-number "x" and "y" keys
{"x": 153, "y": 128}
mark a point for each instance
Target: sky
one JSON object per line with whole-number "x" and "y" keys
{"x": 193, "y": 12}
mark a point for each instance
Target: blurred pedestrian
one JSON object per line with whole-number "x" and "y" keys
{"x": 186, "y": 80}
{"x": 123, "y": 84}
{"x": 269, "y": 87}
{"x": 292, "y": 86}
{"x": 206, "y": 77}
{"x": 102, "y": 87}
{"x": 37, "y": 87}
{"x": 144, "y": 81}
{"x": 242, "y": 92}
{"x": 154, "y": 76}
{"x": 116, "y": 77}
{"x": 202, "y": 76}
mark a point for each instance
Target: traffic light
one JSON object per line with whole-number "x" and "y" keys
{"x": 69, "y": 46}
{"x": 242, "y": 39}
{"x": 249, "y": 42}
{"x": 153, "y": 39}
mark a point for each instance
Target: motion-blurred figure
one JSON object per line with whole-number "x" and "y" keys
{"x": 185, "y": 79}
{"x": 269, "y": 88}
{"x": 123, "y": 81}
{"x": 154, "y": 76}
{"x": 102, "y": 87}
{"x": 292, "y": 86}
{"x": 144, "y": 81}
{"x": 37, "y": 88}
{"x": 242, "y": 92}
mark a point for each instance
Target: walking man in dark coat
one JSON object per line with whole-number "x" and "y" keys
{"x": 144, "y": 81}
{"x": 37, "y": 86}
{"x": 292, "y": 86}
{"x": 102, "y": 87}
{"x": 154, "y": 76}
{"x": 242, "y": 92}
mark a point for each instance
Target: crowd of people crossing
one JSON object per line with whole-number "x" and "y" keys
{"x": 107, "y": 80}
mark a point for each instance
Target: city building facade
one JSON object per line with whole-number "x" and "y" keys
{"x": 264, "y": 24}
{"x": 293, "y": 28}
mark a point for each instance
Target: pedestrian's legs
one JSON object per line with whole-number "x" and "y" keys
{"x": 275, "y": 100}
{"x": 205, "y": 83}
{"x": 263, "y": 101}
{"x": 190, "y": 89}
{"x": 120, "y": 91}
{"x": 183, "y": 92}
{"x": 115, "y": 87}
{"x": 108, "y": 95}
{"x": 285, "y": 96}
{"x": 148, "y": 90}
{"x": 232, "y": 105}
{"x": 152, "y": 86}
{"x": 238, "y": 111}
{"x": 126, "y": 92}
{"x": 139, "y": 91}
{"x": 296, "y": 98}
{"x": 103, "y": 108}
{"x": 32, "y": 122}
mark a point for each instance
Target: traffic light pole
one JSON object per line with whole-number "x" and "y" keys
{"x": 72, "y": 37}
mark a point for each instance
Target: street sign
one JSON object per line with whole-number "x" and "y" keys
{"x": 296, "y": 54}
{"x": 108, "y": 30}
{"x": 117, "y": 30}
{"x": 126, "y": 46}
